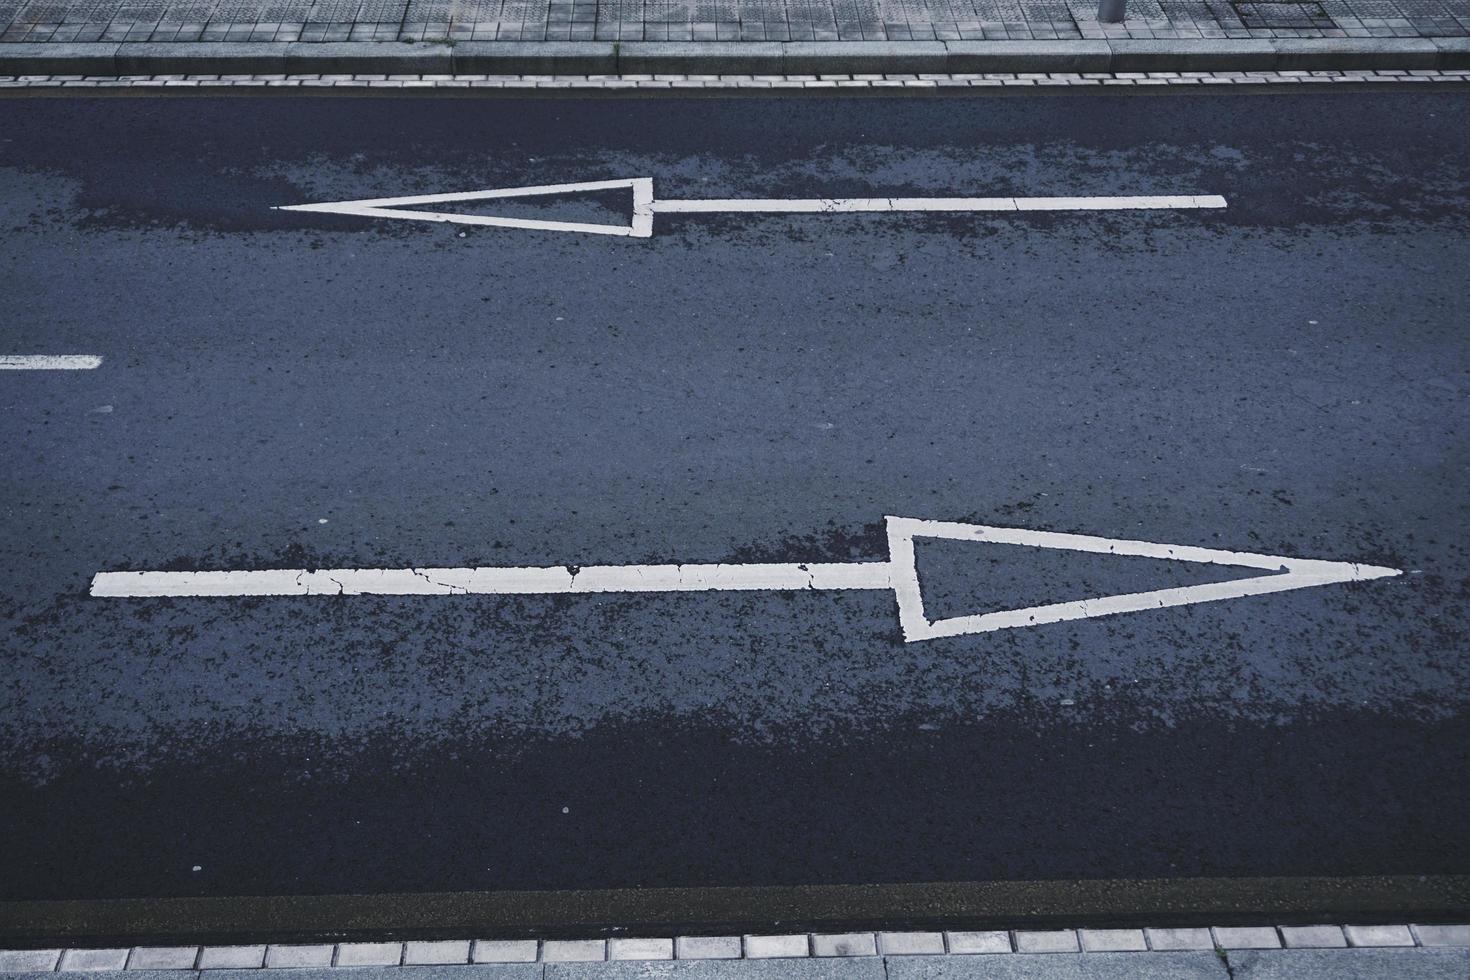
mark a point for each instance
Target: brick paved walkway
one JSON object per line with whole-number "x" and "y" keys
{"x": 712, "y": 20}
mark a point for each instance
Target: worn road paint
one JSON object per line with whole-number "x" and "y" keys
{"x": 645, "y": 206}
{"x": 49, "y": 362}
{"x": 898, "y": 573}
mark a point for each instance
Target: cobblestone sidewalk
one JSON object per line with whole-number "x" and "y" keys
{"x": 714, "y": 20}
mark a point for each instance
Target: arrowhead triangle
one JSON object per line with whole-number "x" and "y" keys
{"x": 1299, "y": 573}
{"x": 641, "y": 225}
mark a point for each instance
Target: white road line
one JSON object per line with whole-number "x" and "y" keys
{"x": 49, "y": 362}
{"x": 645, "y": 206}
{"x": 899, "y": 574}
{"x": 900, "y": 204}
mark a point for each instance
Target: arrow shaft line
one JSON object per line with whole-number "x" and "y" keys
{"x": 891, "y": 204}
{"x": 528, "y": 580}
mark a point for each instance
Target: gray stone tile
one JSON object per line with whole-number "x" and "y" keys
{"x": 231, "y": 957}
{"x": 1246, "y": 937}
{"x": 640, "y": 949}
{"x": 1112, "y": 940}
{"x": 1443, "y": 935}
{"x": 74, "y": 960}
{"x": 1312, "y": 937}
{"x": 300, "y": 957}
{"x": 1177, "y": 939}
{"x": 29, "y": 960}
{"x": 910, "y": 943}
{"x": 844, "y": 944}
{"x": 440, "y": 953}
{"x": 369, "y": 954}
{"x": 163, "y": 958}
{"x": 707, "y": 947}
{"x": 573, "y": 950}
{"x": 504, "y": 951}
{"x": 995, "y": 941}
{"x": 1046, "y": 941}
{"x": 776, "y": 947}
{"x": 1378, "y": 935}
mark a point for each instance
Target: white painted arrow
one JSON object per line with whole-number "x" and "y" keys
{"x": 899, "y": 573}
{"x": 645, "y": 206}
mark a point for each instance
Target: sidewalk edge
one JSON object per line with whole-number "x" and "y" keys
{"x": 723, "y": 57}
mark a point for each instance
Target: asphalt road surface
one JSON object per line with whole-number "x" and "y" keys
{"x": 285, "y": 390}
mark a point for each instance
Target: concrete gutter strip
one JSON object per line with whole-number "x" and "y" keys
{"x": 730, "y": 57}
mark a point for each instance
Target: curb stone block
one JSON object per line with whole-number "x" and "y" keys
{"x": 1248, "y": 937}
{"x": 1046, "y": 941}
{"x": 701, "y": 58}
{"x": 910, "y": 943}
{"x": 1312, "y": 937}
{"x": 1187, "y": 54}
{"x": 535, "y": 58}
{"x": 998, "y": 941}
{"x": 163, "y": 958}
{"x": 864, "y": 57}
{"x": 573, "y": 950}
{"x": 29, "y": 960}
{"x": 640, "y": 949}
{"x": 503, "y": 951}
{"x": 772, "y": 947}
{"x": 440, "y": 953}
{"x": 1454, "y": 52}
{"x": 369, "y": 954}
{"x": 1112, "y": 940}
{"x": 231, "y": 957}
{"x": 202, "y": 58}
{"x": 1028, "y": 56}
{"x": 1442, "y": 935}
{"x": 1378, "y": 935}
{"x": 707, "y": 947}
{"x": 46, "y": 58}
{"x": 1337, "y": 53}
{"x": 844, "y": 944}
{"x": 299, "y": 957}
{"x": 1180, "y": 939}
{"x": 93, "y": 959}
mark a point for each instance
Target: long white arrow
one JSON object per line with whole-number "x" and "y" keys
{"x": 898, "y": 573}
{"x": 645, "y": 206}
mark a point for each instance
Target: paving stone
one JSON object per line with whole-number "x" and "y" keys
{"x": 1378, "y": 935}
{"x": 640, "y": 949}
{"x": 844, "y": 944}
{"x": 93, "y": 959}
{"x": 28, "y": 960}
{"x": 1112, "y": 940}
{"x": 369, "y": 954}
{"x": 231, "y": 957}
{"x": 299, "y": 957}
{"x": 452, "y": 951}
{"x": 163, "y": 958}
{"x": 1046, "y": 941}
{"x": 1246, "y": 937}
{"x": 998, "y": 941}
{"x": 573, "y": 950}
{"x": 770, "y": 947}
{"x": 910, "y": 943}
{"x": 1312, "y": 937}
{"x": 707, "y": 947}
{"x": 1176, "y": 939}
{"x": 1443, "y": 935}
{"x": 1190, "y": 965}
{"x": 504, "y": 951}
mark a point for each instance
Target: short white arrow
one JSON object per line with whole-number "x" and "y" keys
{"x": 645, "y": 206}
{"x": 898, "y": 573}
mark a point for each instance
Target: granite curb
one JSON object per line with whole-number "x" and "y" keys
{"x": 730, "y": 57}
